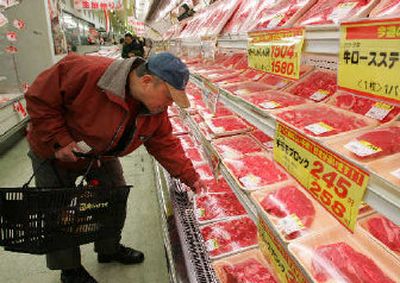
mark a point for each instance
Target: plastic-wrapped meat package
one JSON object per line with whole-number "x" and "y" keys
{"x": 195, "y": 156}
{"x": 334, "y": 12}
{"x": 256, "y": 171}
{"x": 264, "y": 139}
{"x": 248, "y": 271}
{"x": 245, "y": 11}
{"x": 237, "y": 146}
{"x": 173, "y": 111}
{"x": 279, "y": 82}
{"x": 186, "y": 141}
{"x": 233, "y": 59}
{"x": 217, "y": 206}
{"x": 226, "y": 237}
{"x": 339, "y": 261}
{"x": 233, "y": 80}
{"x": 290, "y": 201}
{"x": 252, "y": 75}
{"x": 204, "y": 172}
{"x": 206, "y": 132}
{"x": 386, "y": 8}
{"x": 364, "y": 106}
{"x": 223, "y": 76}
{"x": 221, "y": 111}
{"x": 241, "y": 64}
{"x": 228, "y": 125}
{"x": 178, "y": 128}
{"x": 199, "y": 105}
{"x": 274, "y": 99}
{"x": 216, "y": 186}
{"x": 279, "y": 14}
{"x": 246, "y": 88}
{"x": 317, "y": 86}
{"x": 198, "y": 118}
{"x": 323, "y": 121}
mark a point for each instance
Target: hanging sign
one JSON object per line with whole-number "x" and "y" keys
{"x": 277, "y": 52}
{"x": 98, "y": 4}
{"x": 370, "y": 49}
{"x": 271, "y": 247}
{"x": 336, "y": 183}
{"x": 208, "y": 47}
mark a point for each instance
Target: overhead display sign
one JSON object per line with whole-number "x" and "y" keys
{"x": 333, "y": 181}
{"x": 98, "y": 4}
{"x": 369, "y": 58}
{"x": 277, "y": 51}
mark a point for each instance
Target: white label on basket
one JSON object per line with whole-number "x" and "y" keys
{"x": 243, "y": 91}
{"x": 274, "y": 22}
{"x": 269, "y": 105}
{"x": 341, "y": 11}
{"x": 319, "y": 128}
{"x": 290, "y": 224}
{"x": 362, "y": 148}
{"x": 250, "y": 181}
{"x": 200, "y": 212}
{"x": 396, "y": 173}
{"x": 379, "y": 111}
{"x": 211, "y": 245}
{"x": 319, "y": 95}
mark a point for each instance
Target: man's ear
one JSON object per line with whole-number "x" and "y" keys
{"x": 146, "y": 79}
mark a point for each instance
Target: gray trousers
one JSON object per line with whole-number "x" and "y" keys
{"x": 110, "y": 173}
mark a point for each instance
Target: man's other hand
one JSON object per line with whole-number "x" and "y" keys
{"x": 66, "y": 153}
{"x": 198, "y": 186}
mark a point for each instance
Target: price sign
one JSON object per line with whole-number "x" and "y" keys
{"x": 277, "y": 52}
{"x": 371, "y": 49}
{"x": 208, "y": 47}
{"x": 210, "y": 95}
{"x": 287, "y": 269}
{"x": 334, "y": 182}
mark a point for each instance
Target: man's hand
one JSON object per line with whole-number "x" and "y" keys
{"x": 66, "y": 153}
{"x": 198, "y": 186}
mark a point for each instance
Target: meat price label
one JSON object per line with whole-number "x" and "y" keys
{"x": 210, "y": 95}
{"x": 335, "y": 183}
{"x": 370, "y": 49}
{"x": 277, "y": 51}
{"x": 286, "y": 268}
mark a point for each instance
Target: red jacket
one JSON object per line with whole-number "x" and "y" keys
{"x": 83, "y": 98}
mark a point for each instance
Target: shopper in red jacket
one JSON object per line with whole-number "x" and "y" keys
{"x": 104, "y": 107}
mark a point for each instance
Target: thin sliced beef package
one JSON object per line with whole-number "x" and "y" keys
{"x": 187, "y": 141}
{"x": 178, "y": 127}
{"x": 245, "y": 11}
{"x": 221, "y": 111}
{"x": 228, "y": 125}
{"x": 386, "y": 9}
{"x": 216, "y": 186}
{"x": 264, "y": 139}
{"x": 246, "y": 88}
{"x": 195, "y": 156}
{"x": 278, "y": 82}
{"x": 273, "y": 99}
{"x": 237, "y": 146}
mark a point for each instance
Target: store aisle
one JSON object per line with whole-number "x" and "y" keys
{"x": 142, "y": 228}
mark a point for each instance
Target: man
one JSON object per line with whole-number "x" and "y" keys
{"x": 132, "y": 47}
{"x": 104, "y": 107}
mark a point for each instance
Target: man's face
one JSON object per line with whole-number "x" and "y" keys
{"x": 128, "y": 39}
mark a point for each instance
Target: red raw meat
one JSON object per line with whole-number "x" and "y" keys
{"x": 281, "y": 99}
{"x": 178, "y": 127}
{"x": 218, "y": 206}
{"x": 385, "y": 231}
{"x": 233, "y": 59}
{"x": 314, "y": 82}
{"x": 221, "y": 77}
{"x": 173, "y": 111}
{"x": 186, "y": 141}
{"x": 386, "y": 8}
{"x": 339, "y": 121}
{"x": 252, "y": 74}
{"x": 280, "y": 82}
{"x": 214, "y": 186}
{"x": 347, "y": 263}
{"x": 322, "y": 12}
{"x": 290, "y": 200}
{"x": 243, "y": 89}
{"x": 233, "y": 80}
{"x": 256, "y": 171}
{"x": 230, "y": 236}
{"x": 197, "y": 118}
{"x": 264, "y": 139}
{"x": 360, "y": 105}
{"x": 246, "y": 9}
{"x": 205, "y": 172}
{"x": 242, "y": 64}
{"x": 222, "y": 111}
{"x": 237, "y": 146}
{"x": 194, "y": 155}
{"x": 248, "y": 271}
{"x": 227, "y": 125}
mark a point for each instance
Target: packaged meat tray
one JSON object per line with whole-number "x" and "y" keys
{"x": 245, "y": 11}
{"x": 339, "y": 256}
{"x": 228, "y": 237}
{"x": 253, "y": 75}
{"x": 216, "y": 186}
{"x": 264, "y": 139}
{"x": 246, "y": 88}
{"x": 173, "y": 111}
{"x": 388, "y": 168}
{"x": 221, "y": 111}
{"x": 233, "y": 59}
{"x": 237, "y": 146}
{"x": 293, "y": 211}
{"x": 258, "y": 171}
{"x": 323, "y": 121}
{"x": 206, "y": 132}
{"x": 384, "y": 231}
{"x": 386, "y": 9}
{"x": 205, "y": 172}
{"x": 246, "y": 267}
{"x": 178, "y": 127}
{"x": 187, "y": 141}
{"x": 278, "y": 82}
{"x": 369, "y": 145}
{"x": 223, "y": 76}
{"x": 198, "y": 118}
{"x": 226, "y": 126}
{"x": 317, "y": 85}
{"x": 281, "y": 13}
{"x": 195, "y": 156}
{"x": 380, "y": 111}
{"x": 334, "y": 12}
{"x": 213, "y": 207}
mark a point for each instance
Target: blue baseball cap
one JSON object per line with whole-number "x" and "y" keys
{"x": 174, "y": 72}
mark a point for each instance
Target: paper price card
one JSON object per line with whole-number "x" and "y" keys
{"x": 370, "y": 49}
{"x": 277, "y": 52}
{"x": 286, "y": 268}
{"x": 335, "y": 183}
{"x": 210, "y": 95}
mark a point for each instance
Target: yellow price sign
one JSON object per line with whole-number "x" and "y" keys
{"x": 334, "y": 182}
{"x": 371, "y": 49}
{"x": 277, "y": 52}
{"x": 286, "y": 268}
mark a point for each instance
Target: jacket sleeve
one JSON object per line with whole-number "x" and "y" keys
{"x": 167, "y": 149}
{"x": 44, "y": 101}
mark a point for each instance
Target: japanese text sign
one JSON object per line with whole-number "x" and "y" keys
{"x": 277, "y": 52}
{"x": 98, "y": 4}
{"x": 210, "y": 95}
{"x": 137, "y": 26}
{"x": 286, "y": 268}
{"x": 371, "y": 49}
{"x": 334, "y": 182}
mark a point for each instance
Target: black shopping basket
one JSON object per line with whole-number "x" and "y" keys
{"x": 41, "y": 220}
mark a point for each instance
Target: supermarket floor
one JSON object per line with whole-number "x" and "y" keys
{"x": 142, "y": 228}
